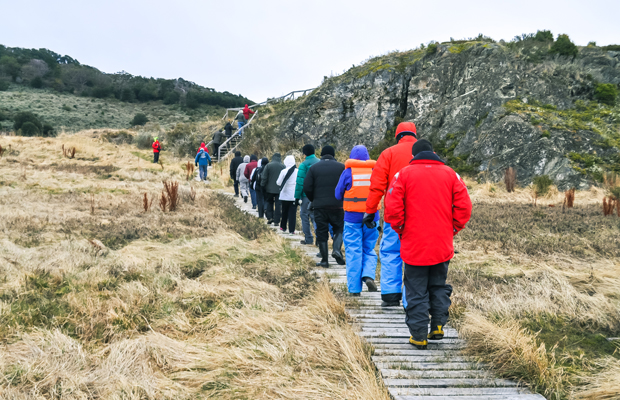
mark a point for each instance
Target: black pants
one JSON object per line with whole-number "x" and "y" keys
{"x": 273, "y": 201}
{"x": 236, "y": 187}
{"x": 324, "y": 217}
{"x": 289, "y": 214}
{"x": 215, "y": 147}
{"x": 426, "y": 291}
{"x": 260, "y": 202}
{"x": 155, "y": 157}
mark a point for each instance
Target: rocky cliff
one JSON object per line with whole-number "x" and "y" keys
{"x": 486, "y": 106}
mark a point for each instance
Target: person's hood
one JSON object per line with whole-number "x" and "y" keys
{"x": 155, "y": 138}
{"x": 276, "y": 158}
{"x": 289, "y": 161}
{"x": 427, "y": 155}
{"x": 360, "y": 152}
{"x": 202, "y": 145}
{"x": 246, "y": 159}
{"x": 246, "y": 106}
{"x": 264, "y": 161}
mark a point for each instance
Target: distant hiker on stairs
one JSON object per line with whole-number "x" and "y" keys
{"x": 228, "y": 129}
{"x": 244, "y": 183}
{"x": 202, "y": 161}
{"x": 389, "y": 163}
{"x": 247, "y": 112}
{"x": 320, "y": 186}
{"x": 234, "y": 164}
{"x": 269, "y": 178}
{"x": 359, "y": 240}
{"x": 427, "y": 204}
{"x": 286, "y": 181}
{"x": 305, "y": 213}
{"x": 156, "y": 150}
{"x": 218, "y": 139}
{"x": 241, "y": 120}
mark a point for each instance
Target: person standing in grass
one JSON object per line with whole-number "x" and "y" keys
{"x": 390, "y": 161}
{"x": 427, "y": 204}
{"x": 202, "y": 161}
{"x": 320, "y": 186}
{"x": 234, "y": 164}
{"x": 271, "y": 190}
{"x": 255, "y": 180}
{"x": 156, "y": 149}
{"x": 244, "y": 183}
{"x": 247, "y": 172}
{"x": 359, "y": 239}
{"x": 305, "y": 213}
{"x": 286, "y": 181}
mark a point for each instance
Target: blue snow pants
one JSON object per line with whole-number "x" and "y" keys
{"x": 359, "y": 246}
{"x": 391, "y": 265}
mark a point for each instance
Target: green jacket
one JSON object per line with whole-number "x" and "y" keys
{"x": 301, "y": 175}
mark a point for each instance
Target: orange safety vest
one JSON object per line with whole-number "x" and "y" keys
{"x": 355, "y": 198}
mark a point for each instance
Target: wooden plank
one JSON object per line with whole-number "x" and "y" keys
{"x": 435, "y": 374}
{"x": 431, "y": 346}
{"x": 481, "y": 391}
{"x": 439, "y": 383}
{"x": 377, "y": 341}
{"x": 413, "y": 359}
{"x": 476, "y": 397}
{"x": 447, "y": 354}
{"x": 445, "y": 366}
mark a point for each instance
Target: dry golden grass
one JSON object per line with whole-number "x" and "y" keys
{"x": 102, "y": 299}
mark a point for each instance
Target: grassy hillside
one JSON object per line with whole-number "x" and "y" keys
{"x": 73, "y": 113}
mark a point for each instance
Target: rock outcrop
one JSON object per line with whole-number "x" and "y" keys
{"x": 457, "y": 97}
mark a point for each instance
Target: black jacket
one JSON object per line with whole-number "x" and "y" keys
{"x": 234, "y": 164}
{"x": 229, "y": 129}
{"x": 321, "y": 181}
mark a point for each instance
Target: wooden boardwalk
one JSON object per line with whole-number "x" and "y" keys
{"x": 438, "y": 373}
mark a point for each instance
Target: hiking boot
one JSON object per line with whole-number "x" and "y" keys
{"x": 419, "y": 344}
{"x": 390, "y": 303}
{"x": 269, "y": 221}
{"x": 370, "y": 284}
{"x": 323, "y": 254}
{"x": 245, "y": 199}
{"x": 355, "y": 294}
{"x": 253, "y": 207}
{"x": 436, "y": 332}
{"x": 337, "y": 249}
{"x": 305, "y": 242}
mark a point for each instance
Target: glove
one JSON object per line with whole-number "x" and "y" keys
{"x": 195, "y": 165}
{"x": 369, "y": 221}
{"x": 296, "y": 202}
{"x": 210, "y": 163}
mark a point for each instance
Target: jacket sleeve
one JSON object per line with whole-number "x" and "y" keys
{"x": 344, "y": 184}
{"x": 299, "y": 182}
{"x": 196, "y": 159}
{"x": 461, "y": 204}
{"x": 394, "y": 213}
{"x": 309, "y": 185}
{"x": 238, "y": 172}
{"x": 281, "y": 176}
{"x": 379, "y": 181}
{"x": 247, "y": 171}
{"x": 208, "y": 156}
{"x": 264, "y": 178}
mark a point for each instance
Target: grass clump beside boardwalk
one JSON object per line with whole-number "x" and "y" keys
{"x": 100, "y": 298}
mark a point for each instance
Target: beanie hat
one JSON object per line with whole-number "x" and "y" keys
{"x": 420, "y": 146}
{"x": 237, "y": 154}
{"x": 328, "y": 150}
{"x": 405, "y": 128}
{"x": 253, "y": 157}
{"x": 308, "y": 150}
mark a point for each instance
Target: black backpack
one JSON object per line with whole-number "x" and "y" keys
{"x": 256, "y": 177}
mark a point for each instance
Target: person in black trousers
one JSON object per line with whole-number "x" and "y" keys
{"x": 234, "y": 164}
{"x": 320, "y": 187}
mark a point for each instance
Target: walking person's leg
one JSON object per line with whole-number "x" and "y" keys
{"x": 203, "y": 172}
{"x": 417, "y": 303}
{"x": 304, "y": 214}
{"x": 336, "y": 220}
{"x": 278, "y": 209}
{"x": 369, "y": 256}
{"x": 236, "y": 188}
{"x": 253, "y": 197}
{"x": 353, "y": 250}
{"x": 292, "y": 217}
{"x": 322, "y": 222}
{"x": 391, "y": 266}
{"x": 215, "y": 148}
{"x": 439, "y": 299}
{"x": 284, "y": 219}
{"x": 269, "y": 202}
{"x": 260, "y": 203}
{"x": 245, "y": 190}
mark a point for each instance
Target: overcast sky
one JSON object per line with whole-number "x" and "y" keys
{"x": 267, "y": 48}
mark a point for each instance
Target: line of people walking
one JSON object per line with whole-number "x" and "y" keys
{"x": 426, "y": 204}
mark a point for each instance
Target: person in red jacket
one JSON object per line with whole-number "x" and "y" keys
{"x": 390, "y": 162}
{"x": 247, "y": 112}
{"x": 427, "y": 204}
{"x": 156, "y": 149}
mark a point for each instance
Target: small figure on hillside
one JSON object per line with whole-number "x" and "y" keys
{"x": 307, "y": 215}
{"x": 241, "y": 120}
{"x": 359, "y": 239}
{"x": 202, "y": 161}
{"x": 427, "y": 204}
{"x": 228, "y": 129}
{"x": 248, "y": 174}
{"x": 234, "y": 163}
{"x": 271, "y": 189}
{"x": 218, "y": 139}
{"x": 156, "y": 149}
{"x": 390, "y": 161}
{"x": 255, "y": 182}
{"x": 320, "y": 187}
{"x": 247, "y": 112}
{"x": 286, "y": 181}
{"x": 244, "y": 183}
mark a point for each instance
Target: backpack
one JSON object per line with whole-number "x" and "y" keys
{"x": 288, "y": 175}
{"x": 256, "y": 177}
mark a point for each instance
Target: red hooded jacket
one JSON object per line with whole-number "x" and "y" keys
{"x": 249, "y": 168}
{"x": 247, "y": 112}
{"x": 389, "y": 163}
{"x": 427, "y": 204}
{"x": 156, "y": 146}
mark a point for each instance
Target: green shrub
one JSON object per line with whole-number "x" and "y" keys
{"x": 48, "y": 130}
{"x": 37, "y": 83}
{"x": 139, "y": 119}
{"x": 28, "y": 129}
{"x": 542, "y": 183}
{"x": 546, "y": 134}
{"x": 591, "y": 44}
{"x": 26, "y": 116}
{"x": 144, "y": 140}
{"x": 3, "y": 116}
{"x": 128, "y": 95}
{"x": 172, "y": 98}
{"x": 66, "y": 107}
{"x": 432, "y": 48}
{"x": 611, "y": 47}
{"x": 564, "y": 47}
{"x": 544, "y": 36}
{"x": 119, "y": 137}
{"x": 4, "y": 85}
{"x": 606, "y": 93}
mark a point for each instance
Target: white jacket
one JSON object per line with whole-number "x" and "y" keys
{"x": 288, "y": 191}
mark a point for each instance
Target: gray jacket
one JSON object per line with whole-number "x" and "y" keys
{"x": 270, "y": 174}
{"x": 241, "y": 169}
{"x": 219, "y": 137}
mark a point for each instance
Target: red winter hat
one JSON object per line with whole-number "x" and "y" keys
{"x": 406, "y": 127}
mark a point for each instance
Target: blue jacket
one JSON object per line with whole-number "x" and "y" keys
{"x": 346, "y": 181}
{"x": 202, "y": 158}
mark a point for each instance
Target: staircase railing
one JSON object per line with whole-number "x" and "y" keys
{"x": 238, "y": 133}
